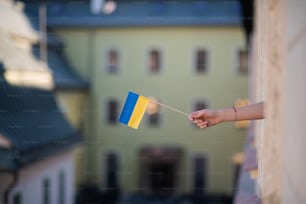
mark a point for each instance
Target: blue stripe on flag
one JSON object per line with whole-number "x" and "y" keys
{"x": 128, "y": 107}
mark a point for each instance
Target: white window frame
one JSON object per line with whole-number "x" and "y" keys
{"x": 237, "y": 62}
{"x": 105, "y": 58}
{"x": 147, "y": 60}
{"x": 208, "y": 59}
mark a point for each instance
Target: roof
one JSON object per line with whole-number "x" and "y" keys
{"x": 16, "y": 57}
{"x": 6, "y": 161}
{"x": 63, "y": 74}
{"x": 16, "y": 38}
{"x": 17, "y": 24}
{"x": 141, "y": 13}
{"x": 32, "y": 122}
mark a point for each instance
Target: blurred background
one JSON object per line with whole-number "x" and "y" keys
{"x": 66, "y": 68}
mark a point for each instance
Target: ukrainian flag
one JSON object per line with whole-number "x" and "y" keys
{"x": 133, "y": 110}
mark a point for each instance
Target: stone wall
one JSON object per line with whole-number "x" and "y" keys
{"x": 271, "y": 59}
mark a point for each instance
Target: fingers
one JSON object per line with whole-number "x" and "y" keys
{"x": 198, "y": 114}
{"x": 200, "y": 123}
{"x": 199, "y": 119}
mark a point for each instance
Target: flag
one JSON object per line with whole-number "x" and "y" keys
{"x": 133, "y": 110}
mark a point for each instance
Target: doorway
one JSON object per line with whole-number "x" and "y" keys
{"x": 158, "y": 169}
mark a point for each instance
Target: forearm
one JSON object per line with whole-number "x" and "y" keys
{"x": 250, "y": 112}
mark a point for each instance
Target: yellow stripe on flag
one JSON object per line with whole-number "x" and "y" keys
{"x": 138, "y": 112}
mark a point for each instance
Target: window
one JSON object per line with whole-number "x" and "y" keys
{"x": 200, "y": 174}
{"x": 236, "y": 163}
{"x": 46, "y": 191}
{"x": 201, "y": 61}
{"x": 154, "y": 61}
{"x": 61, "y": 187}
{"x": 243, "y": 123}
{"x": 199, "y": 105}
{"x": 112, "y": 171}
{"x": 154, "y": 119}
{"x": 112, "y": 61}
{"x": 153, "y": 113}
{"x": 243, "y": 62}
{"x": 112, "y": 111}
{"x": 17, "y": 198}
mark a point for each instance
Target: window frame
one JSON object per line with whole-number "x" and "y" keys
{"x": 242, "y": 124}
{"x": 148, "y": 60}
{"x": 206, "y": 155}
{"x": 46, "y": 191}
{"x": 158, "y": 123}
{"x": 237, "y": 66}
{"x": 107, "y": 111}
{"x": 194, "y": 60}
{"x": 160, "y": 117}
{"x": 106, "y": 63}
{"x": 193, "y": 103}
{"x": 104, "y": 168}
{"x": 16, "y": 195}
{"x": 61, "y": 187}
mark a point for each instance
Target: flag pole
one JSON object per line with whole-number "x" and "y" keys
{"x": 171, "y": 108}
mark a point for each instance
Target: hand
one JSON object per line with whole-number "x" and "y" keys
{"x": 205, "y": 118}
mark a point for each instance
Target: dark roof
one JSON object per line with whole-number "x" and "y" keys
{"x": 63, "y": 74}
{"x": 7, "y": 161}
{"x": 141, "y": 13}
{"x": 32, "y": 122}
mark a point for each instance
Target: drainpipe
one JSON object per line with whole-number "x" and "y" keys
{"x": 91, "y": 126}
{"x": 43, "y": 32}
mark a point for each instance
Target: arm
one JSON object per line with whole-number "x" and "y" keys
{"x": 210, "y": 117}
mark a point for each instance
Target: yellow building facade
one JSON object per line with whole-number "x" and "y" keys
{"x": 177, "y": 84}
{"x": 188, "y": 55}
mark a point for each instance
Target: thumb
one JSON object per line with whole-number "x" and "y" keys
{"x": 197, "y": 114}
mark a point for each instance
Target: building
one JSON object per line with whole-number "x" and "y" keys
{"x": 36, "y": 141}
{"x": 70, "y": 92}
{"x": 186, "y": 54}
{"x": 36, "y": 148}
{"x": 278, "y": 47}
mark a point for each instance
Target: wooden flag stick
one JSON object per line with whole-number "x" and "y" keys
{"x": 174, "y": 109}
